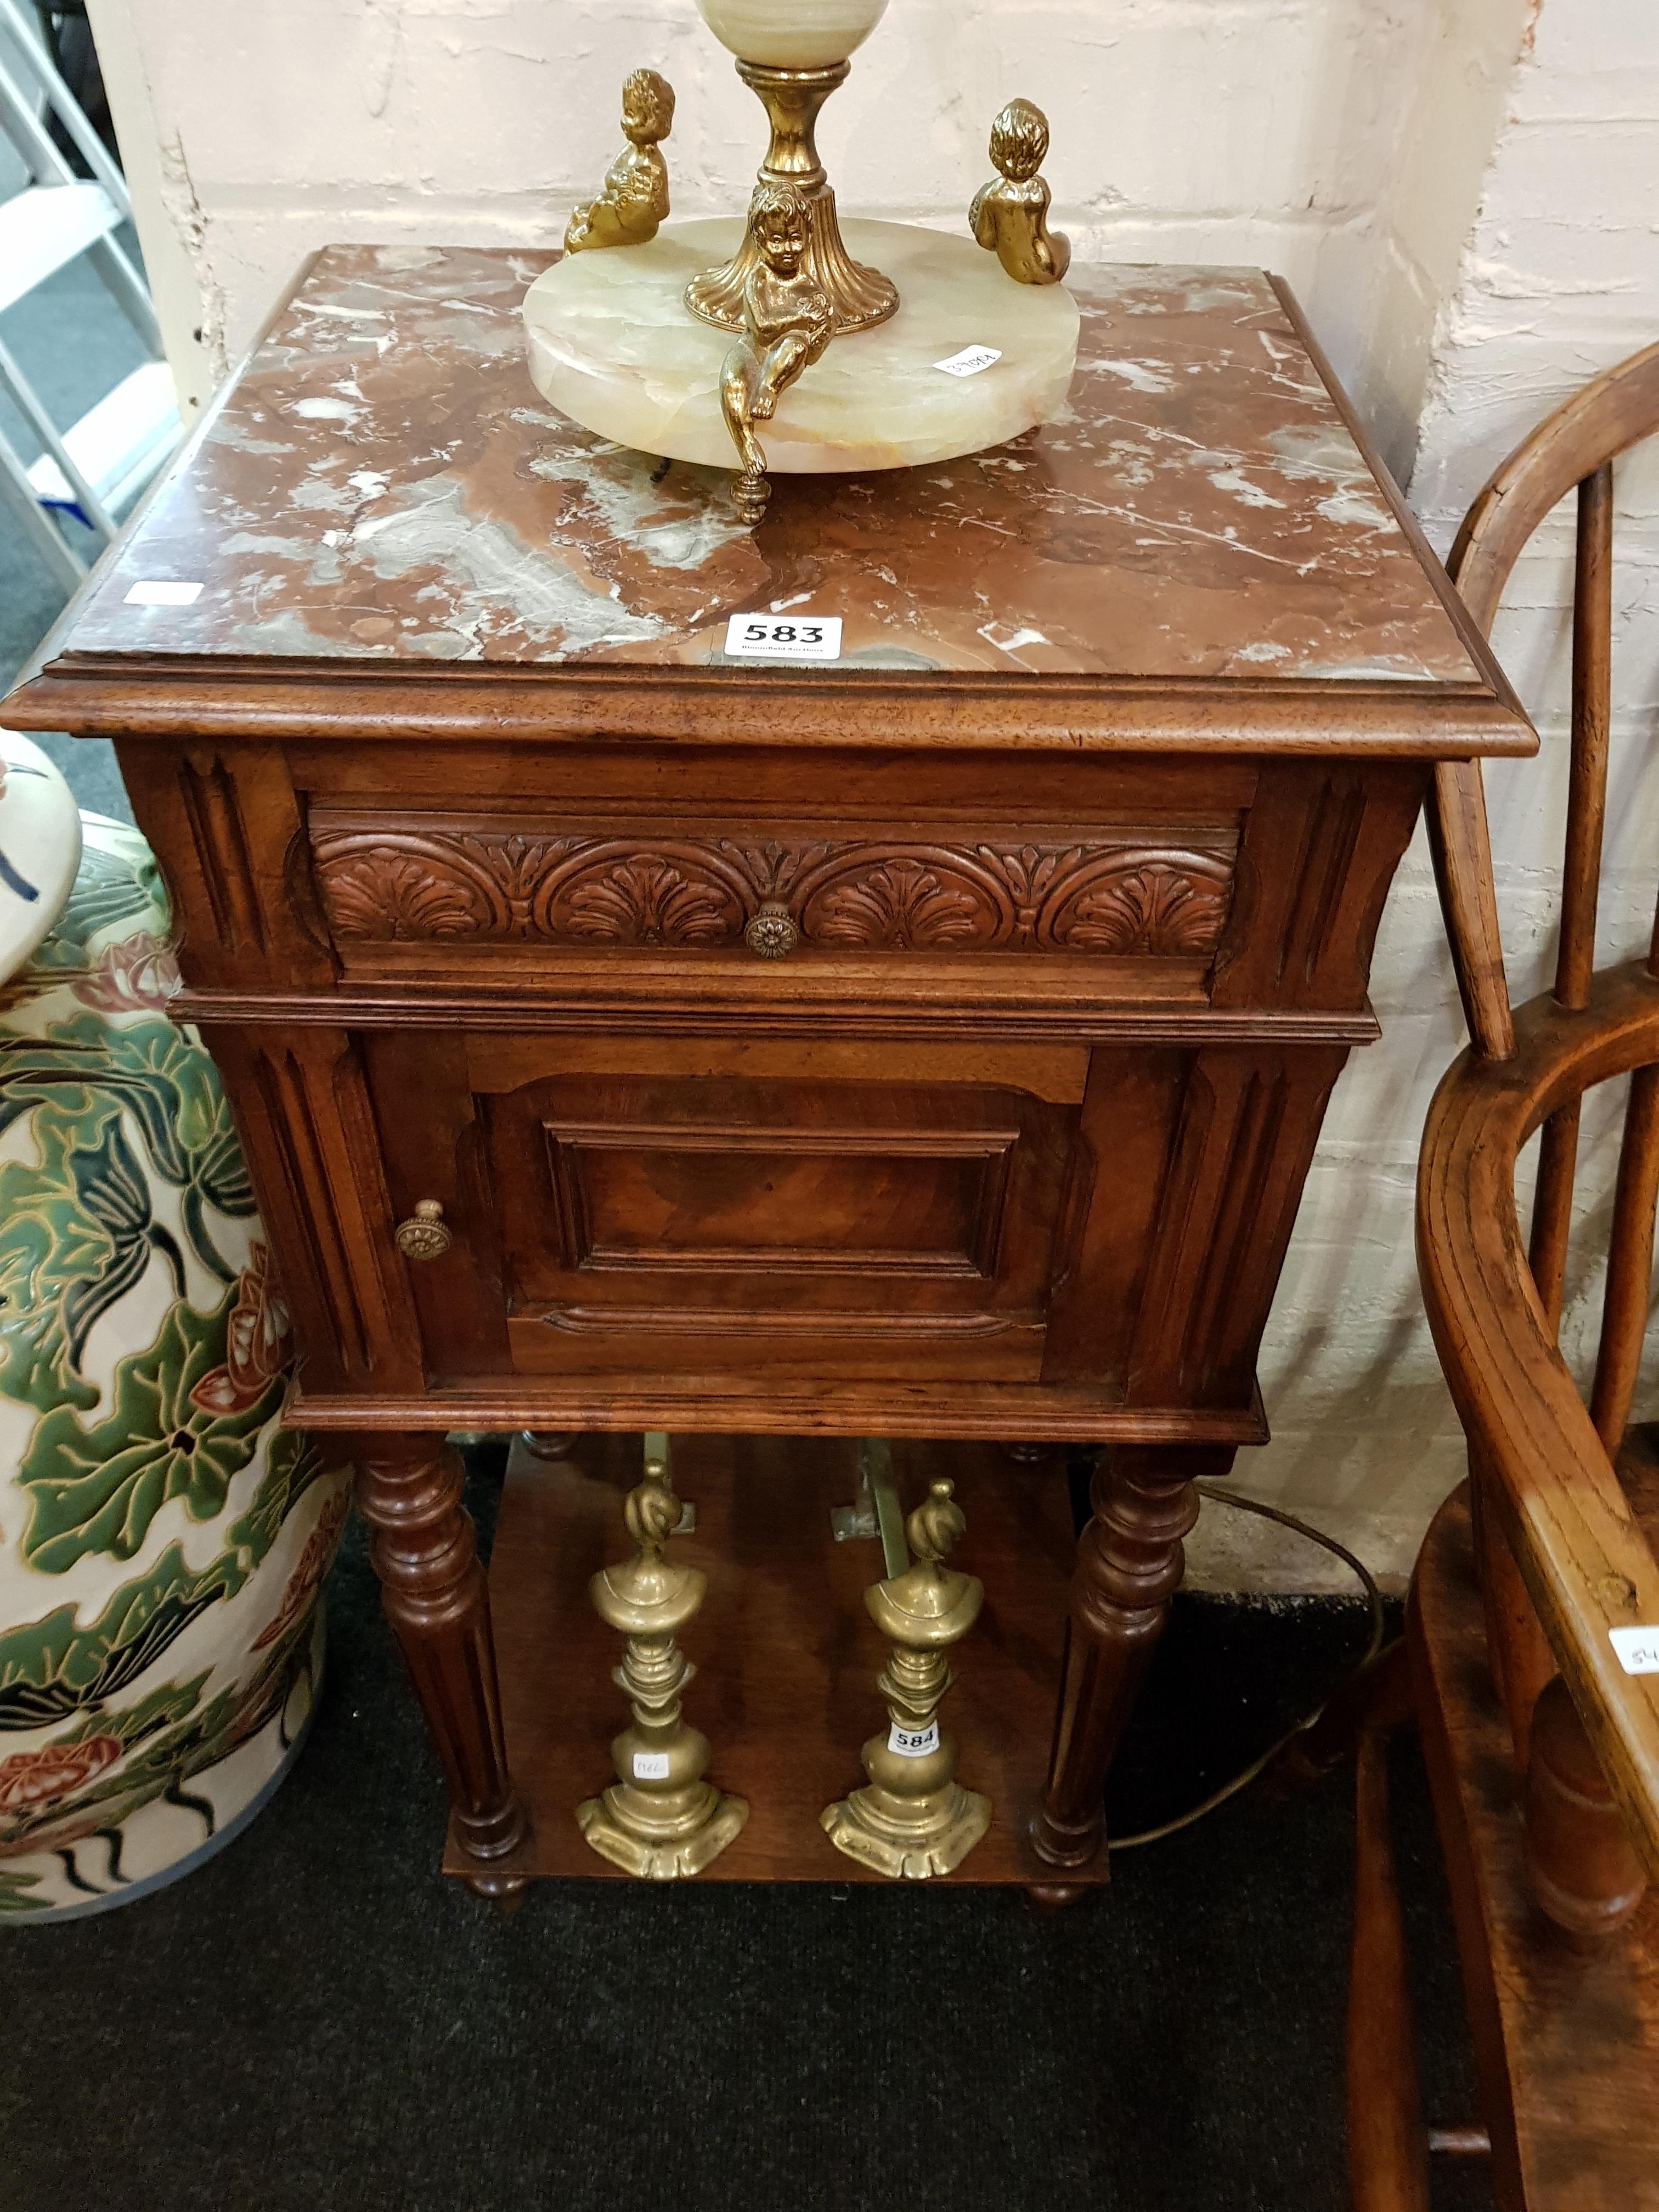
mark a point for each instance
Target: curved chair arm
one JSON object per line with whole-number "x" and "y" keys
{"x": 1581, "y": 1552}
{"x": 1596, "y": 425}
{"x": 1578, "y": 442}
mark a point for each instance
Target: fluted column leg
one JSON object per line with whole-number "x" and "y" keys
{"x": 409, "y": 1489}
{"x": 1129, "y": 1565}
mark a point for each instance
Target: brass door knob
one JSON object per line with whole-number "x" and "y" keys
{"x": 424, "y": 1236}
{"x": 772, "y": 935}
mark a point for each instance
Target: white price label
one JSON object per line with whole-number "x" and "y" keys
{"x": 650, "y": 1766}
{"x": 1637, "y": 1650}
{"x": 972, "y": 361}
{"x": 913, "y": 1743}
{"x": 783, "y": 637}
{"x": 164, "y": 593}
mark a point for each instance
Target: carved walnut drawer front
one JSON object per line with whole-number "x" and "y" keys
{"x": 396, "y": 888}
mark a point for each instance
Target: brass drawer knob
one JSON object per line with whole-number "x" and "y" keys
{"x": 424, "y": 1236}
{"x": 772, "y": 935}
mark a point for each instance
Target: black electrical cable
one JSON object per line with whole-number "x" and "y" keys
{"x": 1214, "y": 1494}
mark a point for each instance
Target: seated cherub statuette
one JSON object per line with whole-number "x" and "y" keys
{"x": 634, "y": 200}
{"x": 788, "y": 323}
{"x": 1011, "y": 218}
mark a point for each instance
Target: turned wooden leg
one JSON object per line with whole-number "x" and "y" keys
{"x": 1388, "y": 2144}
{"x": 1055, "y": 1896}
{"x": 1584, "y": 1873}
{"x": 409, "y": 1489}
{"x": 550, "y": 1443}
{"x": 1129, "y": 1565}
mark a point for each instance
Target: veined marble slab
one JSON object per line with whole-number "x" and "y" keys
{"x": 384, "y": 482}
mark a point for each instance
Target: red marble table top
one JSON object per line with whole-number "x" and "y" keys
{"x": 383, "y": 483}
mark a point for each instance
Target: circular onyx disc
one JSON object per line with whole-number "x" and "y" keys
{"x": 613, "y": 345}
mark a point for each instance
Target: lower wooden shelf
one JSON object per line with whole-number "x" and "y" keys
{"x": 787, "y": 1655}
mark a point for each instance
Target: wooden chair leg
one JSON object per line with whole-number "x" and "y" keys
{"x": 1388, "y": 2142}
{"x": 1584, "y": 1873}
{"x": 1378, "y": 1698}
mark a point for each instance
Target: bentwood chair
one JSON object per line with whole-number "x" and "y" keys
{"x": 1534, "y": 1607}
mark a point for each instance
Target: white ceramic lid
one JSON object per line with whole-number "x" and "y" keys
{"x": 40, "y": 849}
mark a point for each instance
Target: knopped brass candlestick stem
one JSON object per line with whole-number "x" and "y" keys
{"x": 859, "y": 297}
{"x": 659, "y": 1819}
{"x": 914, "y": 1819}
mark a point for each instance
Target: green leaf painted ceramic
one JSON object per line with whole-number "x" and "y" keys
{"x": 48, "y": 1248}
{"x": 99, "y": 1489}
{"x": 162, "y": 1540}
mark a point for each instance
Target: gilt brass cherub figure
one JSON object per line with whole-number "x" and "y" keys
{"x": 634, "y": 197}
{"x": 788, "y": 323}
{"x": 1011, "y": 218}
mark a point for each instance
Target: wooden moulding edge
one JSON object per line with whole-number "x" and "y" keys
{"x": 1013, "y": 1412}
{"x": 204, "y": 700}
{"x": 1195, "y": 1026}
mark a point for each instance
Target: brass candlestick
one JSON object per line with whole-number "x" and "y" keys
{"x": 659, "y": 1819}
{"x": 859, "y": 297}
{"x": 914, "y": 1819}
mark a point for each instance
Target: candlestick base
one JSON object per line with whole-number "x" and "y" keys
{"x": 907, "y": 1838}
{"x": 637, "y": 1833}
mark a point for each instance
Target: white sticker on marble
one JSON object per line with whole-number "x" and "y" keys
{"x": 164, "y": 593}
{"x": 791, "y": 637}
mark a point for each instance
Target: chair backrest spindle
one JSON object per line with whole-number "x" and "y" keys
{"x": 1552, "y": 1209}
{"x": 1592, "y": 695}
{"x": 1630, "y": 1264}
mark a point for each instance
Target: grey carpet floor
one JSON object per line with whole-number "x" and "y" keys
{"x": 318, "y": 2021}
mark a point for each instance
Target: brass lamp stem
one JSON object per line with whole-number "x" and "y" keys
{"x": 793, "y": 100}
{"x": 859, "y": 297}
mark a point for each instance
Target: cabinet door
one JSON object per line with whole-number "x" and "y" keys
{"x": 638, "y": 1205}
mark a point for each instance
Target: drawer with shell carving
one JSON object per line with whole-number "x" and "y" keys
{"x": 396, "y": 890}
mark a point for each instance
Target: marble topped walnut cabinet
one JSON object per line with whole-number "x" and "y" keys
{"x": 1077, "y": 858}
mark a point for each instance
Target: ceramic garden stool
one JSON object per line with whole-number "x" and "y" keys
{"x": 161, "y": 1540}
